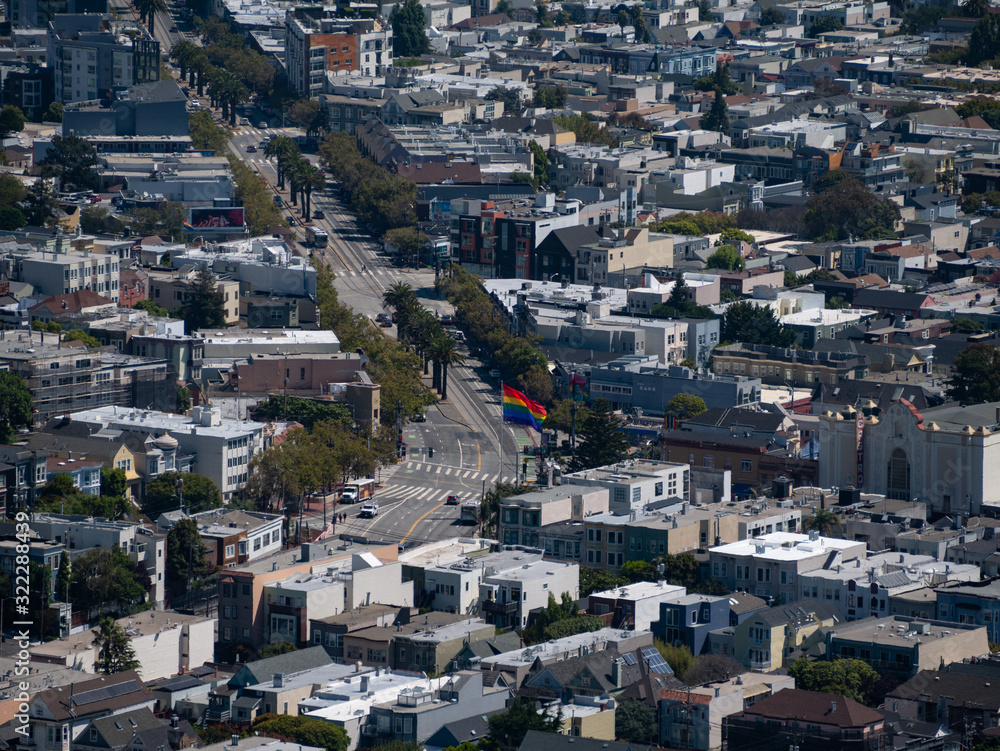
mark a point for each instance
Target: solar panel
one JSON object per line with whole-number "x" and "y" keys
{"x": 649, "y": 652}
{"x": 630, "y": 659}
{"x": 662, "y": 669}
{"x": 105, "y": 692}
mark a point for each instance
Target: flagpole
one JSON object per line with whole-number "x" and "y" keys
{"x": 500, "y": 475}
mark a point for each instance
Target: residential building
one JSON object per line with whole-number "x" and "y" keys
{"x": 52, "y": 274}
{"x": 36, "y": 14}
{"x": 777, "y": 365}
{"x": 636, "y": 483}
{"x": 434, "y": 650}
{"x": 904, "y": 646}
{"x": 812, "y": 325}
{"x": 317, "y": 43}
{"x": 375, "y": 646}
{"x": 60, "y": 714}
{"x": 688, "y": 620}
{"x": 23, "y": 471}
{"x": 507, "y": 598}
{"x": 223, "y": 446}
{"x": 329, "y": 632}
{"x": 536, "y": 740}
{"x": 522, "y": 515}
{"x": 165, "y": 643}
{"x": 84, "y": 474}
{"x": 975, "y": 603}
{"x": 145, "y": 109}
{"x": 284, "y": 691}
{"x": 941, "y": 456}
{"x": 692, "y": 718}
{"x": 769, "y": 565}
{"x": 812, "y": 720}
{"x": 954, "y": 696}
{"x": 454, "y": 588}
{"x": 91, "y": 55}
{"x": 136, "y": 730}
{"x": 231, "y": 537}
{"x": 172, "y": 293}
{"x": 635, "y": 606}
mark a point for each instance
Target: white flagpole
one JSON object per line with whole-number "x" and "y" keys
{"x": 500, "y": 476}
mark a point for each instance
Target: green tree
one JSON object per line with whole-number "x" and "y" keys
{"x": 153, "y": 308}
{"x": 823, "y": 24}
{"x": 603, "y": 441}
{"x": 40, "y": 204}
{"x": 71, "y": 159}
{"x": 11, "y": 121}
{"x": 149, "y": 9}
{"x": 309, "y": 412}
{"x": 205, "y": 306}
{"x": 711, "y": 668}
{"x": 114, "y": 483}
{"x": 408, "y": 36}
{"x": 278, "y": 648}
{"x": 511, "y": 98}
{"x": 635, "y": 721}
{"x": 594, "y": 580}
{"x": 54, "y": 114}
{"x": 11, "y": 218}
{"x": 622, "y": 20}
{"x": 854, "y": 679}
{"x": 185, "y": 556}
{"x": 684, "y": 405}
{"x": 704, "y": 10}
{"x": 678, "y": 657}
{"x": 79, "y": 335}
{"x": 984, "y": 42}
{"x": 550, "y": 97}
{"x": 507, "y": 729}
{"x": 976, "y": 374}
{"x": 200, "y": 494}
{"x": 586, "y": 128}
{"x": 719, "y": 80}
{"x": 754, "y": 324}
{"x": 772, "y": 17}
{"x": 727, "y": 258}
{"x": 16, "y": 406}
{"x": 12, "y": 190}
{"x": 716, "y": 118}
{"x": 307, "y": 731}
{"x": 560, "y": 416}
{"x": 114, "y": 649}
{"x": 106, "y": 579}
{"x": 638, "y": 571}
{"x": 183, "y": 400}
{"x": 732, "y": 233}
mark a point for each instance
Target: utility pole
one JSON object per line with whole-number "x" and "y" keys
{"x": 572, "y": 412}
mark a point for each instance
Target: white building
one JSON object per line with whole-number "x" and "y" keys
{"x": 265, "y": 265}
{"x": 241, "y": 343}
{"x": 506, "y": 598}
{"x": 79, "y": 533}
{"x": 258, "y": 534}
{"x": 223, "y": 447}
{"x": 454, "y": 588}
{"x": 61, "y": 273}
{"x": 635, "y": 483}
{"x": 165, "y": 644}
{"x": 769, "y": 566}
{"x": 637, "y": 604}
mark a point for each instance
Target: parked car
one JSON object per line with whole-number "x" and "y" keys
{"x": 385, "y": 324}
{"x": 174, "y": 29}
{"x": 420, "y": 417}
{"x": 95, "y": 199}
{"x": 291, "y": 221}
{"x": 382, "y": 317}
{"x": 244, "y": 121}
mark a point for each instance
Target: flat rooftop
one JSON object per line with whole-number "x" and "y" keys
{"x": 784, "y": 546}
{"x": 642, "y": 591}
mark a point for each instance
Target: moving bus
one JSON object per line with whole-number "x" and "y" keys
{"x": 470, "y": 512}
{"x": 316, "y": 237}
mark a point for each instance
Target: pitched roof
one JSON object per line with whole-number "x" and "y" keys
{"x": 74, "y": 301}
{"x": 97, "y": 697}
{"x": 960, "y": 687}
{"x": 291, "y": 662}
{"x": 118, "y": 730}
{"x": 536, "y": 740}
{"x": 813, "y": 707}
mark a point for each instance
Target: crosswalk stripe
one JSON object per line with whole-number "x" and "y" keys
{"x": 419, "y": 466}
{"x": 409, "y": 465}
{"x": 448, "y": 471}
{"x": 466, "y": 474}
{"x": 438, "y": 470}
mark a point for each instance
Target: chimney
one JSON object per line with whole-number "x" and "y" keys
{"x": 833, "y": 706}
{"x": 175, "y": 721}
{"x": 279, "y": 680}
{"x": 616, "y": 672}
{"x": 365, "y": 682}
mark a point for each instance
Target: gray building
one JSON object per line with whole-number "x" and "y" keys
{"x": 149, "y": 109}
{"x": 640, "y": 382}
{"x": 36, "y": 14}
{"x": 90, "y": 56}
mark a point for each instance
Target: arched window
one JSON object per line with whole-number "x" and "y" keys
{"x": 898, "y": 477}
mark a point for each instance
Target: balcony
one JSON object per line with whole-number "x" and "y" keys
{"x": 500, "y": 608}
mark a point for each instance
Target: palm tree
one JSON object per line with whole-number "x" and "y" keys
{"x": 295, "y": 169}
{"x": 229, "y": 91}
{"x": 182, "y": 52}
{"x": 314, "y": 181}
{"x": 397, "y": 294}
{"x": 200, "y": 66}
{"x": 823, "y": 521}
{"x": 148, "y": 9}
{"x": 283, "y": 149}
{"x": 445, "y": 352}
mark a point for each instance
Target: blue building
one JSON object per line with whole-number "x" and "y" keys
{"x": 974, "y": 603}
{"x": 689, "y": 619}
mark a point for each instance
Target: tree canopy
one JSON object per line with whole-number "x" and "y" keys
{"x": 200, "y": 494}
{"x": 848, "y": 209}
{"x": 302, "y": 410}
{"x": 600, "y": 438}
{"x": 635, "y": 721}
{"x": 855, "y": 679}
{"x": 754, "y": 324}
{"x": 72, "y": 159}
{"x": 507, "y": 729}
{"x": 308, "y": 731}
{"x": 683, "y": 406}
{"x": 106, "y": 579}
{"x": 114, "y": 648}
{"x": 409, "y": 38}
{"x": 16, "y": 405}
{"x": 716, "y": 118}
{"x": 205, "y": 306}
{"x": 11, "y": 120}
{"x": 727, "y": 258}
{"x": 185, "y": 556}
{"x": 976, "y": 374}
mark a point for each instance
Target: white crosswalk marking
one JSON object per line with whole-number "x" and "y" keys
{"x": 438, "y": 470}
{"x": 419, "y": 466}
{"x": 448, "y": 471}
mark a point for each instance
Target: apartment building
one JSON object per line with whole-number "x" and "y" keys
{"x": 231, "y": 536}
{"x": 223, "y": 447}
{"x": 776, "y": 365}
{"x": 507, "y": 598}
{"x": 172, "y": 293}
{"x": 376, "y": 645}
{"x": 522, "y": 515}
{"x": 635, "y": 606}
{"x": 317, "y": 43}
{"x": 769, "y": 565}
{"x": 90, "y": 55}
{"x": 635, "y": 483}
{"x": 52, "y": 274}
{"x": 454, "y": 588}
{"x": 148, "y": 109}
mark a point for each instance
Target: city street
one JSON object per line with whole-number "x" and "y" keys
{"x": 464, "y": 432}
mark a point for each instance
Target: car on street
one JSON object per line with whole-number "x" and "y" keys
{"x": 420, "y": 417}
{"x": 251, "y": 149}
{"x": 318, "y": 214}
{"x": 291, "y": 221}
{"x": 174, "y": 29}
{"x": 385, "y": 324}
{"x": 262, "y": 125}
{"x": 447, "y": 320}
{"x": 244, "y": 121}
{"x": 382, "y": 317}
{"x": 369, "y": 511}
{"x": 452, "y": 500}
{"x": 94, "y": 198}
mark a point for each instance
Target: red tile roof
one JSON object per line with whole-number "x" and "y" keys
{"x": 672, "y": 694}
{"x": 814, "y": 707}
{"x": 75, "y": 301}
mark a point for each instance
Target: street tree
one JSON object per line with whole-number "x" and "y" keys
{"x": 976, "y": 374}
{"x": 409, "y": 37}
{"x": 149, "y": 10}
{"x": 114, "y": 648}
{"x": 185, "y": 556}
{"x": 54, "y": 114}
{"x": 984, "y": 42}
{"x": 754, "y": 324}
{"x": 16, "y": 406}
{"x": 602, "y": 441}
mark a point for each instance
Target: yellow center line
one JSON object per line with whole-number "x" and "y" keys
{"x": 479, "y": 457}
{"x": 420, "y": 520}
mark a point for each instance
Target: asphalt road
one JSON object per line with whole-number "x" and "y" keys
{"x": 464, "y": 432}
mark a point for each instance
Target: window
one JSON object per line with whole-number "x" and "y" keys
{"x": 746, "y": 465}
{"x": 230, "y": 551}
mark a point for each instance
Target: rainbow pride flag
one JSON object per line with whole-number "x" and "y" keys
{"x": 518, "y": 408}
